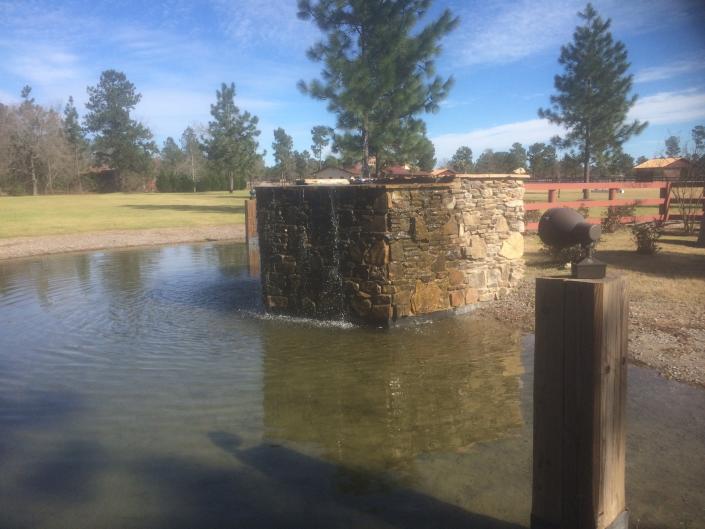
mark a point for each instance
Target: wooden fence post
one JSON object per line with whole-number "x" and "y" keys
{"x": 552, "y": 195}
{"x": 251, "y": 220}
{"x": 580, "y": 376}
{"x": 251, "y": 237}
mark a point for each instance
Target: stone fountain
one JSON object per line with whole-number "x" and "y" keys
{"x": 384, "y": 252}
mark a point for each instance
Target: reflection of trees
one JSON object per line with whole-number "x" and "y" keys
{"x": 375, "y": 401}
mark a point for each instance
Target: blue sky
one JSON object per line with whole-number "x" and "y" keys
{"x": 503, "y": 57}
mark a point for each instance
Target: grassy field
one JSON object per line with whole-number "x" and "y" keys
{"x": 675, "y": 274}
{"x": 61, "y": 214}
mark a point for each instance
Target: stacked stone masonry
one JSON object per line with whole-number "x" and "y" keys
{"x": 383, "y": 253}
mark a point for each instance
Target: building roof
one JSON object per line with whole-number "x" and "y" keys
{"x": 664, "y": 163}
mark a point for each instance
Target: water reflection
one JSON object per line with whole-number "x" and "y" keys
{"x": 145, "y": 388}
{"x": 376, "y": 402}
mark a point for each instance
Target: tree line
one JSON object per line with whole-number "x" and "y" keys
{"x": 378, "y": 83}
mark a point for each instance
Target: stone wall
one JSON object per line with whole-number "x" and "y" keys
{"x": 382, "y": 253}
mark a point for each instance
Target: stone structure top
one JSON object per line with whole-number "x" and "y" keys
{"x": 400, "y": 184}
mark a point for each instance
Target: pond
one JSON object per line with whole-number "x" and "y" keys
{"x": 146, "y": 388}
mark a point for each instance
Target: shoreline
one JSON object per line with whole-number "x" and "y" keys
{"x": 674, "y": 350}
{"x": 23, "y": 247}
{"x": 673, "y": 346}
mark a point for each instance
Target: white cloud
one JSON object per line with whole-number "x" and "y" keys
{"x": 251, "y": 23}
{"x": 665, "y": 108}
{"x": 499, "y": 137}
{"x": 499, "y": 32}
{"x": 44, "y": 65}
{"x": 674, "y": 69}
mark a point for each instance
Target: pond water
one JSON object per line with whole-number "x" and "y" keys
{"x": 145, "y": 388}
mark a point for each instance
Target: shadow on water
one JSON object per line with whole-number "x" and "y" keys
{"x": 273, "y": 486}
{"x": 69, "y": 473}
{"x": 186, "y": 207}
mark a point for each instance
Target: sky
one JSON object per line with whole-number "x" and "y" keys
{"x": 503, "y": 57}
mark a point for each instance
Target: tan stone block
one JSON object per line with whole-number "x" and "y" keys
{"x": 402, "y": 311}
{"x": 396, "y": 250}
{"x": 378, "y": 254}
{"x": 478, "y": 248}
{"x": 427, "y": 297}
{"x": 471, "y": 219}
{"x": 477, "y": 279}
{"x": 456, "y": 297}
{"x": 450, "y": 227}
{"x": 381, "y": 313}
{"x": 471, "y": 296}
{"x": 513, "y": 247}
{"x": 456, "y": 277}
{"x": 419, "y": 231}
{"x": 395, "y": 270}
{"x": 501, "y": 225}
{"x": 361, "y": 306}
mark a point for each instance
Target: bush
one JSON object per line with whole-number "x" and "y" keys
{"x": 532, "y": 216}
{"x": 561, "y": 256}
{"x": 646, "y": 236}
{"x": 611, "y": 223}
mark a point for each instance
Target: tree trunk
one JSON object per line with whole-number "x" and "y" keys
{"x": 231, "y": 183}
{"x": 701, "y": 236}
{"x": 586, "y": 172}
{"x": 193, "y": 174}
{"x": 78, "y": 173}
{"x": 365, "y": 155}
{"x": 35, "y": 191}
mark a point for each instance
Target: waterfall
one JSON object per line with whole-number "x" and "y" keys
{"x": 333, "y": 283}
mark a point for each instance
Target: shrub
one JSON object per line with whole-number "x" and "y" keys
{"x": 561, "y": 256}
{"x": 532, "y": 216}
{"x": 611, "y": 223}
{"x": 646, "y": 236}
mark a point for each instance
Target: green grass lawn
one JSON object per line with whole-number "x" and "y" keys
{"x": 60, "y": 214}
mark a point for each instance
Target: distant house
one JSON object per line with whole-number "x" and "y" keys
{"x": 662, "y": 169}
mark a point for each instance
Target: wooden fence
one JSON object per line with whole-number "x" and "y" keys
{"x": 662, "y": 205}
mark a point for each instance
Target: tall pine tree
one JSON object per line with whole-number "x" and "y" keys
{"x": 232, "y": 145}
{"x": 283, "y": 153}
{"x": 73, "y": 132}
{"x": 378, "y": 72}
{"x": 593, "y": 93}
{"x": 122, "y": 143}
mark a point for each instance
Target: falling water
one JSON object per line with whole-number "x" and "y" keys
{"x": 333, "y": 283}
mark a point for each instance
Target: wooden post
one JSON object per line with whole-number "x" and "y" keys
{"x": 552, "y": 195}
{"x": 612, "y": 193}
{"x": 580, "y": 377}
{"x": 251, "y": 221}
{"x": 665, "y": 195}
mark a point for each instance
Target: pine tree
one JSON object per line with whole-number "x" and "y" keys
{"x": 461, "y": 162}
{"x": 517, "y": 155}
{"x": 122, "y": 143}
{"x": 378, "y": 71}
{"x": 673, "y": 146}
{"x": 283, "y": 153}
{"x": 542, "y": 159}
{"x": 320, "y": 138}
{"x": 75, "y": 136}
{"x": 232, "y": 144}
{"x": 593, "y": 92}
{"x": 192, "y": 149}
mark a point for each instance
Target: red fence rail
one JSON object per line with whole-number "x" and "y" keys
{"x": 553, "y": 188}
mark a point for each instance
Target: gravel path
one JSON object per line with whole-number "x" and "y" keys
{"x": 30, "y": 246}
{"x": 667, "y": 336}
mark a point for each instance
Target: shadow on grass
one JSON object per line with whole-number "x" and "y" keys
{"x": 187, "y": 207}
{"x": 662, "y": 264}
